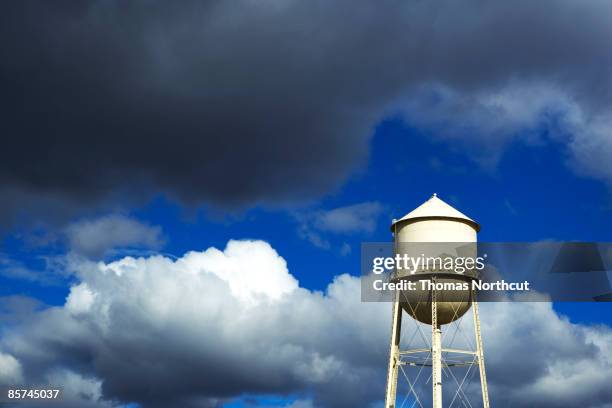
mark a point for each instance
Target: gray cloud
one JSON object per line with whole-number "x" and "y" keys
{"x": 234, "y": 322}
{"x": 17, "y": 308}
{"x": 10, "y": 370}
{"x": 49, "y": 274}
{"x": 94, "y": 238}
{"x": 316, "y": 226}
{"x": 360, "y": 217}
{"x": 237, "y": 103}
{"x": 14, "y": 269}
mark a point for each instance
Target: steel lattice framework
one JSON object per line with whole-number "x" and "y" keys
{"x": 432, "y": 354}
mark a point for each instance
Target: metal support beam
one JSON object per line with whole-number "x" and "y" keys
{"x": 436, "y": 363}
{"x": 436, "y": 353}
{"x": 449, "y": 350}
{"x": 415, "y": 351}
{"x": 480, "y": 353}
{"x": 394, "y": 354}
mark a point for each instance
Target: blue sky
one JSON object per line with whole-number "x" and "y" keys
{"x": 170, "y": 170}
{"x": 531, "y": 194}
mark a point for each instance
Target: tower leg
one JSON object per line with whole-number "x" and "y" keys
{"x": 436, "y": 353}
{"x": 480, "y": 353}
{"x": 394, "y": 354}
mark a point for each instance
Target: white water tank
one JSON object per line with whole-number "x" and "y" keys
{"x": 436, "y": 229}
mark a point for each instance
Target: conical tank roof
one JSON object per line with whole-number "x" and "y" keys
{"x": 434, "y": 208}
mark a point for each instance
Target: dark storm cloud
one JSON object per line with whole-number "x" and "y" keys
{"x": 203, "y": 101}
{"x": 237, "y": 103}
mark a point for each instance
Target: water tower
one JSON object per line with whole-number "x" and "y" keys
{"x": 434, "y": 229}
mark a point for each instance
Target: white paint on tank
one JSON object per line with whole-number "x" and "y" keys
{"x": 436, "y": 221}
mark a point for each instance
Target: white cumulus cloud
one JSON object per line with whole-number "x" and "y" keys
{"x": 10, "y": 370}
{"x": 215, "y": 325}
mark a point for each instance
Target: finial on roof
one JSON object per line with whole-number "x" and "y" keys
{"x": 436, "y": 209}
